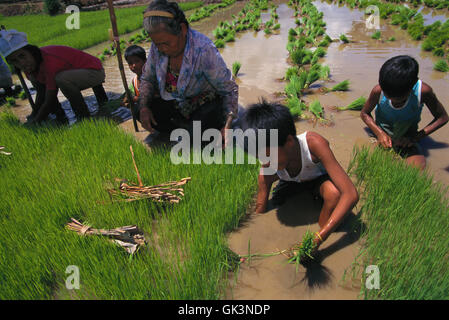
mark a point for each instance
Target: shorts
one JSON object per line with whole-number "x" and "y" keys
{"x": 406, "y": 152}
{"x": 285, "y": 189}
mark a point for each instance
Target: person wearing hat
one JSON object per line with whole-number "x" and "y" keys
{"x": 52, "y": 68}
{"x": 5, "y": 78}
{"x": 185, "y": 78}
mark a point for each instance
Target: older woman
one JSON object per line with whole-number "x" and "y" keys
{"x": 54, "y": 68}
{"x": 185, "y": 78}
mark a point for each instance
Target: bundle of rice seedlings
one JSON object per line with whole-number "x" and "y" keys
{"x": 312, "y": 76}
{"x": 376, "y": 35}
{"x": 296, "y": 106}
{"x": 439, "y": 52}
{"x": 392, "y": 39}
{"x": 354, "y": 105}
{"x": 323, "y": 43}
{"x": 441, "y": 66}
{"x": 230, "y": 37}
{"x": 342, "y": 86}
{"x": 267, "y": 30}
{"x": 343, "y": 38}
{"x": 324, "y": 72}
{"x": 319, "y": 52}
{"x": 219, "y": 43}
{"x": 291, "y": 71}
{"x": 303, "y": 250}
{"x": 316, "y": 109}
{"x": 236, "y": 68}
{"x": 277, "y": 26}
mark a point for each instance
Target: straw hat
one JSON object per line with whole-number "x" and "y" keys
{"x": 11, "y": 40}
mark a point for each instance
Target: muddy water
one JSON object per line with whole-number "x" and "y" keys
{"x": 263, "y": 60}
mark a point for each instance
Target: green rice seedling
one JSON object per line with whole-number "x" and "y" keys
{"x": 277, "y": 26}
{"x": 392, "y": 39}
{"x": 185, "y": 241}
{"x": 439, "y": 52}
{"x": 292, "y": 32}
{"x": 106, "y": 51}
{"x": 376, "y": 35}
{"x": 236, "y": 68}
{"x": 316, "y": 109}
{"x": 10, "y": 101}
{"x": 291, "y": 71}
{"x": 22, "y": 95}
{"x": 343, "y": 38}
{"x": 101, "y": 57}
{"x": 397, "y": 201}
{"x": 342, "y": 86}
{"x": 302, "y": 250}
{"x": 306, "y": 60}
{"x": 295, "y": 106}
{"x": 219, "y": 43}
{"x": 357, "y": 104}
{"x": 441, "y": 65}
{"x": 312, "y": 76}
{"x": 319, "y": 52}
{"x": 267, "y": 30}
{"x": 325, "y": 72}
{"x": 230, "y": 37}
{"x": 294, "y": 87}
{"x": 323, "y": 43}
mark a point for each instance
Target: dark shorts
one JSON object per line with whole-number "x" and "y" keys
{"x": 285, "y": 189}
{"x": 406, "y": 152}
{"x": 168, "y": 118}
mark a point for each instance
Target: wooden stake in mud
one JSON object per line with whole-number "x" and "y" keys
{"x": 120, "y": 61}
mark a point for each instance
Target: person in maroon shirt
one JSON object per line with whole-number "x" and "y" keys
{"x": 52, "y": 68}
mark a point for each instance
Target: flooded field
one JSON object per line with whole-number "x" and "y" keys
{"x": 264, "y": 62}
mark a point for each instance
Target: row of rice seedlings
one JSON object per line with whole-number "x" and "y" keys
{"x": 310, "y": 31}
{"x": 434, "y": 37}
{"x": 186, "y": 241}
{"x": 405, "y": 215}
{"x": 249, "y": 18}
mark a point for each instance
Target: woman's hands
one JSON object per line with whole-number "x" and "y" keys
{"x": 147, "y": 119}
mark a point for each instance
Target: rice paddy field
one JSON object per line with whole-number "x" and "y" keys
{"x": 316, "y": 57}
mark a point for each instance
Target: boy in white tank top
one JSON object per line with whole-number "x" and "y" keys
{"x": 305, "y": 160}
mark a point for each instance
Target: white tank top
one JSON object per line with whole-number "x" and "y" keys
{"x": 309, "y": 169}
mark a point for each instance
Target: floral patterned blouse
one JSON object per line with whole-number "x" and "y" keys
{"x": 203, "y": 76}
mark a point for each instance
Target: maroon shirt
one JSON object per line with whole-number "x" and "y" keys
{"x": 62, "y": 58}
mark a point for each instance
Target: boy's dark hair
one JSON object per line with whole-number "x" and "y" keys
{"x": 398, "y": 75}
{"x": 172, "y": 26}
{"x": 135, "y": 51}
{"x": 265, "y": 115}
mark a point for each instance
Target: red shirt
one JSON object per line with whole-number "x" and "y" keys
{"x": 62, "y": 58}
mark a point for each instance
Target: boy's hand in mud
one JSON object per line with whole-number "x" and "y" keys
{"x": 384, "y": 140}
{"x": 147, "y": 119}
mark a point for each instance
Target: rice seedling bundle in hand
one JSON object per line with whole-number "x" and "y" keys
{"x": 354, "y": 105}
{"x": 303, "y": 250}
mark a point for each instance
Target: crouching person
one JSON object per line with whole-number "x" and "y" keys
{"x": 304, "y": 162}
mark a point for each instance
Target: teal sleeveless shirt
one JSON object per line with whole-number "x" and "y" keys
{"x": 397, "y": 122}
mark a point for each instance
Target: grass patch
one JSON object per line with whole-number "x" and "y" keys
{"x": 51, "y": 177}
{"x": 406, "y": 216}
{"x": 94, "y": 26}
